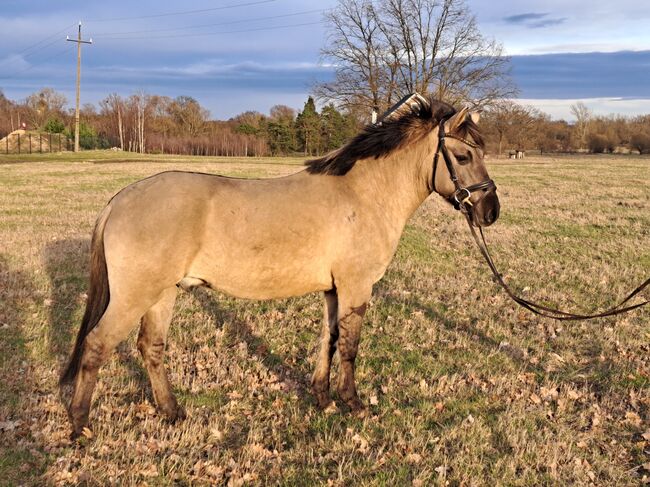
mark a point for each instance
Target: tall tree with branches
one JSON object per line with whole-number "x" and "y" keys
{"x": 385, "y": 49}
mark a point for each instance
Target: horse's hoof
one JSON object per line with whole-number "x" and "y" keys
{"x": 360, "y": 413}
{"x": 80, "y": 433}
{"x": 180, "y": 413}
{"x": 331, "y": 408}
{"x": 357, "y": 407}
{"x": 176, "y": 414}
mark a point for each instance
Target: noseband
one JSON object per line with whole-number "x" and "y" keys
{"x": 460, "y": 199}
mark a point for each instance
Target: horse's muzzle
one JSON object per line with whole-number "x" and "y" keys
{"x": 486, "y": 211}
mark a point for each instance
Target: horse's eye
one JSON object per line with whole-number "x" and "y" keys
{"x": 462, "y": 158}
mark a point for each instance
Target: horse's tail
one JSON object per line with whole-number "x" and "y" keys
{"x": 98, "y": 296}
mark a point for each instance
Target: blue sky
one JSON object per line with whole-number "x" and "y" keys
{"x": 236, "y": 55}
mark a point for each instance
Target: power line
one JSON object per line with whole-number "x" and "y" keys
{"x": 46, "y": 39}
{"x": 186, "y": 12}
{"x": 198, "y": 26}
{"x": 41, "y": 48}
{"x": 216, "y": 33}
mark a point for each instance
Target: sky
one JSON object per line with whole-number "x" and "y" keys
{"x": 237, "y": 55}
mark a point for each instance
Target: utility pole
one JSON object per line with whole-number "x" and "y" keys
{"x": 79, "y": 42}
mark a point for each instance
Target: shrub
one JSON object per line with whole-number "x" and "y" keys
{"x": 598, "y": 143}
{"x": 641, "y": 142}
{"x": 54, "y": 126}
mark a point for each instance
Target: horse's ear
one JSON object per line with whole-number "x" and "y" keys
{"x": 475, "y": 116}
{"x": 456, "y": 120}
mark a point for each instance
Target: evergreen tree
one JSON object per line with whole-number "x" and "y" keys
{"x": 308, "y": 128}
{"x": 336, "y": 128}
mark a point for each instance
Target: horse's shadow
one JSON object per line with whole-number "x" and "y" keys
{"x": 258, "y": 346}
{"x": 19, "y": 383}
{"x": 488, "y": 345}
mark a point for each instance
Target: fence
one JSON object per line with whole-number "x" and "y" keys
{"x": 34, "y": 143}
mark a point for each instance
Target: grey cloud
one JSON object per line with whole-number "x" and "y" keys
{"x": 523, "y": 18}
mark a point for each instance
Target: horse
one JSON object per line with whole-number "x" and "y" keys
{"x": 332, "y": 228}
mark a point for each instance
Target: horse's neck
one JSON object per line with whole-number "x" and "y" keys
{"x": 398, "y": 183}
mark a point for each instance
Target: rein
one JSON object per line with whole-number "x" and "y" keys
{"x": 461, "y": 201}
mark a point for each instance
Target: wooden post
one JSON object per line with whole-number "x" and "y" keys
{"x": 76, "y": 113}
{"x": 18, "y": 143}
{"x": 50, "y": 141}
{"x": 40, "y": 142}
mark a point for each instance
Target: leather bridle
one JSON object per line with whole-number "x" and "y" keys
{"x": 461, "y": 201}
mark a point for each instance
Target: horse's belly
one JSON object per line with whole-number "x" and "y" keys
{"x": 264, "y": 278}
{"x": 265, "y": 284}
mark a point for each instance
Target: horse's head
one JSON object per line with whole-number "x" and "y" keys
{"x": 460, "y": 174}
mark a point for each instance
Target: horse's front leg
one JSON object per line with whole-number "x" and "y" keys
{"x": 352, "y": 308}
{"x": 320, "y": 382}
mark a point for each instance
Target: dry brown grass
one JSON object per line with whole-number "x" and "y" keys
{"x": 463, "y": 387}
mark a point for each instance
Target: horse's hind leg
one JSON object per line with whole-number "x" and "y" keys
{"x": 151, "y": 343}
{"x": 320, "y": 382}
{"x": 114, "y": 326}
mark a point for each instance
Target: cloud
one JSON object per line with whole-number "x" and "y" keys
{"x": 583, "y": 75}
{"x": 522, "y": 18}
{"x": 534, "y": 20}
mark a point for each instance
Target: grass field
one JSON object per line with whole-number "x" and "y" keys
{"x": 463, "y": 388}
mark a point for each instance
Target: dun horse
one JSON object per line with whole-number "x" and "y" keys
{"x": 332, "y": 228}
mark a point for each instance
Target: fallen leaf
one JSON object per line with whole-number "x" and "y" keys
{"x": 633, "y": 418}
{"x": 374, "y": 401}
{"x": 413, "y": 458}
{"x": 361, "y": 442}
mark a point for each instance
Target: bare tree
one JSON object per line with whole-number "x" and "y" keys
{"x": 583, "y": 116}
{"x": 357, "y": 47}
{"x": 386, "y": 49}
{"x": 112, "y": 107}
{"x": 44, "y": 104}
{"x": 189, "y": 115}
{"x": 507, "y": 121}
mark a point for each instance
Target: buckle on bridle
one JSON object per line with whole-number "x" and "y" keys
{"x": 459, "y": 201}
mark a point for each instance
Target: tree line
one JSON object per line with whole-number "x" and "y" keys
{"x": 158, "y": 124}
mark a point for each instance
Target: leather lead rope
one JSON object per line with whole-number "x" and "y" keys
{"x": 546, "y": 311}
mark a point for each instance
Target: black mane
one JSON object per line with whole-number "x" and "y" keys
{"x": 379, "y": 140}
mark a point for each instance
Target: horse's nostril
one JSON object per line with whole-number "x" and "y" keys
{"x": 490, "y": 216}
